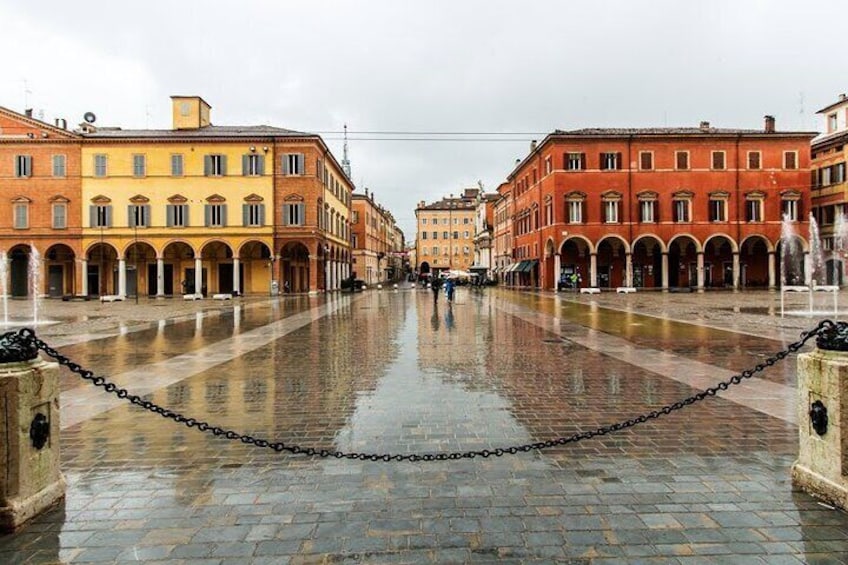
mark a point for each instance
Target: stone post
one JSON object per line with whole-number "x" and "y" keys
{"x": 30, "y": 478}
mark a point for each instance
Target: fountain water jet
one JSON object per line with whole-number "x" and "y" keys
{"x": 792, "y": 262}
{"x": 4, "y": 286}
{"x": 34, "y": 280}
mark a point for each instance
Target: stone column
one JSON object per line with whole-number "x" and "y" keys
{"x": 198, "y": 275}
{"x": 30, "y": 477}
{"x": 160, "y": 277}
{"x": 736, "y": 270}
{"x": 771, "y": 261}
{"x": 122, "y": 277}
{"x": 557, "y": 270}
{"x": 593, "y": 269}
{"x": 700, "y": 270}
{"x": 84, "y": 279}
{"x": 237, "y": 276}
{"x": 628, "y": 269}
{"x": 664, "y": 263}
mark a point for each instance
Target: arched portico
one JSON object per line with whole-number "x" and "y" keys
{"x": 294, "y": 267}
{"x": 137, "y": 270}
{"x": 649, "y": 262}
{"x": 576, "y": 261}
{"x": 215, "y": 264}
{"x": 721, "y": 262}
{"x": 252, "y": 268}
{"x": 60, "y": 270}
{"x": 685, "y": 262}
{"x": 757, "y": 263}
{"x": 101, "y": 260}
{"x": 613, "y": 265}
{"x": 178, "y": 268}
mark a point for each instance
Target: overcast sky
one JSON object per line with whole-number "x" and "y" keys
{"x": 484, "y": 66}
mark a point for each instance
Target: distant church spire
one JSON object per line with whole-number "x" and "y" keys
{"x": 345, "y": 160}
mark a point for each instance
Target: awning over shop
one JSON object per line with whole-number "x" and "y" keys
{"x": 518, "y": 267}
{"x": 527, "y": 266}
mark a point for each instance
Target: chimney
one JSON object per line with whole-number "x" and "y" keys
{"x": 769, "y": 124}
{"x": 421, "y": 204}
{"x": 842, "y": 97}
{"x": 705, "y": 127}
{"x": 28, "y": 112}
{"x": 61, "y": 123}
{"x": 532, "y": 146}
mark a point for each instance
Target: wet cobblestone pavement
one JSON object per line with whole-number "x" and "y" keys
{"x": 390, "y": 372}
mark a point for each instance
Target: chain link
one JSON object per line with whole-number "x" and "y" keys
{"x": 28, "y": 335}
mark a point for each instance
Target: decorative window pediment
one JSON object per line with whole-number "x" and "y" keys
{"x": 790, "y": 195}
{"x": 177, "y": 199}
{"x": 610, "y": 195}
{"x": 139, "y": 199}
{"x": 575, "y": 195}
{"x": 683, "y": 195}
{"x": 21, "y": 200}
{"x": 253, "y": 198}
{"x": 101, "y": 200}
{"x": 548, "y": 198}
{"x": 719, "y": 194}
{"x": 647, "y": 195}
{"x": 215, "y": 199}
{"x": 293, "y": 198}
{"x": 58, "y": 199}
{"x": 755, "y": 195}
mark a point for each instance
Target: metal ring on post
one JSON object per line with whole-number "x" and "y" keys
{"x": 818, "y": 417}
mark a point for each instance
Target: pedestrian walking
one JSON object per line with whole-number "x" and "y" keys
{"x": 449, "y": 288}
{"x": 436, "y": 286}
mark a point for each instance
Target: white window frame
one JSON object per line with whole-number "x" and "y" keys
{"x": 139, "y": 164}
{"x": 759, "y": 155}
{"x": 60, "y": 168}
{"x": 23, "y": 166}
{"x": 794, "y": 166}
{"x": 573, "y": 162}
{"x": 789, "y": 207}
{"x": 713, "y": 155}
{"x": 294, "y": 214}
{"x": 21, "y": 215}
{"x": 648, "y": 211}
{"x": 101, "y": 165}
{"x": 177, "y": 165}
{"x": 611, "y": 215}
{"x": 754, "y": 210}
{"x": 682, "y": 210}
{"x": 575, "y": 211}
{"x": 718, "y": 210}
{"x": 59, "y": 215}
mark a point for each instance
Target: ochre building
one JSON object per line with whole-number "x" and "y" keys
{"x": 445, "y": 233}
{"x": 198, "y": 209}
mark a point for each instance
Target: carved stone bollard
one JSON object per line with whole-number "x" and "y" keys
{"x": 30, "y": 478}
{"x": 822, "y": 465}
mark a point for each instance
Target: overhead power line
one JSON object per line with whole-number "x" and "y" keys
{"x": 350, "y": 131}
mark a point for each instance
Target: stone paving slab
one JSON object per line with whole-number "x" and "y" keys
{"x": 389, "y": 372}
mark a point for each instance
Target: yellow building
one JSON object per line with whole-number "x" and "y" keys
{"x": 445, "y": 233}
{"x": 187, "y": 210}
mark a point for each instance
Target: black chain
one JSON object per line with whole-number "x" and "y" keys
{"x": 27, "y": 335}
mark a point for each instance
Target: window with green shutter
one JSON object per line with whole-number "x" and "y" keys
{"x": 59, "y": 165}
{"x": 253, "y": 215}
{"x": 139, "y": 166}
{"x": 23, "y": 166}
{"x": 100, "y": 165}
{"x": 252, "y": 165}
{"x": 177, "y": 165}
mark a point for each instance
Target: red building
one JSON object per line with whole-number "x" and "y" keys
{"x": 659, "y": 207}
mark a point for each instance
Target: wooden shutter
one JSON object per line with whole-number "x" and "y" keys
{"x": 245, "y": 214}
{"x": 618, "y": 160}
{"x": 109, "y": 216}
{"x": 146, "y": 208}
{"x": 92, "y": 216}
{"x": 169, "y": 215}
{"x": 301, "y": 163}
{"x": 245, "y": 165}
{"x": 185, "y": 214}
{"x": 207, "y": 165}
{"x": 284, "y": 162}
{"x": 130, "y": 216}
{"x": 260, "y": 164}
{"x": 223, "y": 165}
{"x": 602, "y": 157}
{"x": 318, "y": 168}
{"x": 207, "y": 215}
{"x": 223, "y": 215}
{"x": 261, "y": 214}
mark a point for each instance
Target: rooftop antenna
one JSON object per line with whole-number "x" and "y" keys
{"x": 345, "y": 160}
{"x": 27, "y": 92}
